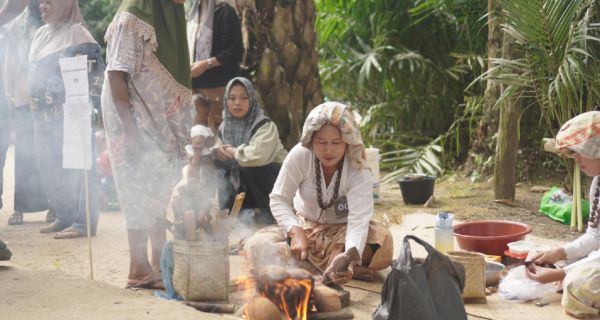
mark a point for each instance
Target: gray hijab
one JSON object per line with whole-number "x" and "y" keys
{"x": 238, "y": 131}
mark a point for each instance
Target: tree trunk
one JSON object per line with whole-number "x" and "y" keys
{"x": 282, "y": 51}
{"x": 494, "y": 45}
{"x": 508, "y": 143}
{"x": 481, "y": 141}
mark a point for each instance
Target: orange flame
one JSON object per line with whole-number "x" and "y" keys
{"x": 291, "y": 296}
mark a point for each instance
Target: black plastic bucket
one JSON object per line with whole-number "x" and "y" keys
{"x": 416, "y": 189}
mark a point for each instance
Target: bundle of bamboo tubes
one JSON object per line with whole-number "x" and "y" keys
{"x": 576, "y": 212}
{"x": 194, "y": 224}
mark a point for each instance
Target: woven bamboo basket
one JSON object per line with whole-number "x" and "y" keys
{"x": 474, "y": 264}
{"x": 201, "y": 270}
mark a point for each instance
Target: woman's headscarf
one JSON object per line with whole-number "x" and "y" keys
{"x": 237, "y": 131}
{"x": 337, "y": 114}
{"x": 168, "y": 20}
{"x": 581, "y": 134}
{"x": 67, "y": 29}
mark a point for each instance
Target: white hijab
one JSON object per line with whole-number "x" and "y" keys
{"x": 65, "y": 30}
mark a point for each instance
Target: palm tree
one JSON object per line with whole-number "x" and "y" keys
{"x": 283, "y": 53}
{"x": 553, "y": 64}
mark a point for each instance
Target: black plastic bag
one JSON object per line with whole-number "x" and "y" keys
{"x": 420, "y": 289}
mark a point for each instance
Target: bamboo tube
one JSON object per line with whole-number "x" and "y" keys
{"x": 575, "y": 202}
{"x": 237, "y": 205}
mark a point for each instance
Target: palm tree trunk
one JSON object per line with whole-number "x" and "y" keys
{"x": 488, "y": 124}
{"x": 494, "y": 46}
{"x": 286, "y": 62}
{"x": 508, "y": 143}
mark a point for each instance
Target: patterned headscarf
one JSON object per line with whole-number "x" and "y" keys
{"x": 337, "y": 114}
{"x": 581, "y": 134}
{"x": 237, "y": 131}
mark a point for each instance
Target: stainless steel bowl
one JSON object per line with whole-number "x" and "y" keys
{"x": 493, "y": 273}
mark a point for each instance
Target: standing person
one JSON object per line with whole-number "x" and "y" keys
{"x": 215, "y": 43}
{"x": 578, "y": 138}
{"x": 63, "y": 36}
{"x": 29, "y": 194}
{"x": 8, "y": 11}
{"x": 147, "y": 114}
{"x": 323, "y": 202}
{"x": 251, "y": 154}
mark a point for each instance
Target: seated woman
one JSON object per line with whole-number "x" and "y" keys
{"x": 578, "y": 138}
{"x": 323, "y": 202}
{"x": 251, "y": 153}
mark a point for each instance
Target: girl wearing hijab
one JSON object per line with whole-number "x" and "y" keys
{"x": 147, "y": 114}
{"x": 64, "y": 35}
{"x": 251, "y": 152}
{"x": 29, "y": 194}
{"x": 323, "y": 203}
{"x": 578, "y": 138}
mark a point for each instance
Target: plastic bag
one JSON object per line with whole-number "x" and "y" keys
{"x": 516, "y": 286}
{"x": 558, "y": 205}
{"x": 428, "y": 289}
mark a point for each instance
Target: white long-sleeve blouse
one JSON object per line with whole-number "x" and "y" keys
{"x": 294, "y": 194}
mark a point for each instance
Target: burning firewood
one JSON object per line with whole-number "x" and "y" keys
{"x": 289, "y": 290}
{"x": 340, "y": 264}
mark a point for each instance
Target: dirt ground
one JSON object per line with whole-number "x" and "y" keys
{"x": 49, "y": 279}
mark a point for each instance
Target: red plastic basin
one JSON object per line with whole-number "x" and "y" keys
{"x": 489, "y": 236}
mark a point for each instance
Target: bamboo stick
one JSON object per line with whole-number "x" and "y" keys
{"x": 237, "y": 205}
{"x": 212, "y": 307}
{"x": 88, "y": 220}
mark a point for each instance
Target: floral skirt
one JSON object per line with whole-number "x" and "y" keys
{"x": 269, "y": 246}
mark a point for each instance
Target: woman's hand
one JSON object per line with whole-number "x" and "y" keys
{"x": 224, "y": 152}
{"x": 299, "y": 243}
{"x": 544, "y": 275}
{"x": 199, "y": 67}
{"x": 548, "y": 257}
{"x": 179, "y": 1}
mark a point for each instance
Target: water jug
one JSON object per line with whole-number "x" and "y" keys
{"x": 373, "y": 158}
{"x": 444, "y": 233}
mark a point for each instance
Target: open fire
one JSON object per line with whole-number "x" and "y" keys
{"x": 289, "y": 290}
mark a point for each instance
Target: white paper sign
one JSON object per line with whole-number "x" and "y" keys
{"x": 77, "y": 114}
{"x": 75, "y": 76}
{"x": 77, "y": 136}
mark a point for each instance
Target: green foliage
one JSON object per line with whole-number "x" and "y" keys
{"x": 558, "y": 48}
{"x": 404, "y": 65}
{"x": 98, "y": 14}
{"x": 406, "y": 159}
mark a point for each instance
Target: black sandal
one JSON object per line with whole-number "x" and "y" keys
{"x": 15, "y": 219}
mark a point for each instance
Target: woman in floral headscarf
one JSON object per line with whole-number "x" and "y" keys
{"x": 323, "y": 202}
{"x": 578, "y": 138}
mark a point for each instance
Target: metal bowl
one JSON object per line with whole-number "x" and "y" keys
{"x": 493, "y": 273}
